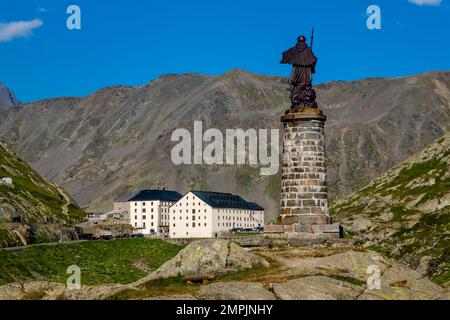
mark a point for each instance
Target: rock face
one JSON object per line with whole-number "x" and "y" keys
{"x": 208, "y": 257}
{"x": 32, "y": 209}
{"x": 405, "y": 213}
{"x": 102, "y": 145}
{"x": 316, "y": 288}
{"x": 7, "y": 98}
{"x": 344, "y": 276}
{"x": 235, "y": 291}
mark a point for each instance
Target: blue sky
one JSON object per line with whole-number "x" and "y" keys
{"x": 132, "y": 42}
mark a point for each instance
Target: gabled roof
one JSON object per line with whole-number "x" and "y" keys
{"x": 226, "y": 200}
{"x": 155, "y": 195}
{"x": 256, "y": 207}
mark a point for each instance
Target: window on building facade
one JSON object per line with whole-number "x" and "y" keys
{"x": 193, "y": 224}
{"x": 152, "y": 224}
{"x": 135, "y": 217}
{"x": 144, "y": 217}
{"x": 143, "y": 203}
{"x": 193, "y": 218}
{"x": 193, "y": 210}
{"x": 144, "y": 210}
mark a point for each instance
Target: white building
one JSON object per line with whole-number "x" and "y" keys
{"x": 201, "y": 214}
{"x": 149, "y": 210}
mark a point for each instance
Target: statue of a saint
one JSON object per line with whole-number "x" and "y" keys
{"x": 303, "y": 62}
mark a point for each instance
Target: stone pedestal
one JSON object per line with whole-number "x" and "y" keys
{"x": 304, "y": 194}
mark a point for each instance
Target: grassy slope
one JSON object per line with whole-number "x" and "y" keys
{"x": 32, "y": 199}
{"x": 101, "y": 262}
{"x": 412, "y": 194}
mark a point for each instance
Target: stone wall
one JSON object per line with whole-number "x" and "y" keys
{"x": 304, "y": 196}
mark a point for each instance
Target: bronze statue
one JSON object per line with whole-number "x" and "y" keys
{"x": 303, "y": 62}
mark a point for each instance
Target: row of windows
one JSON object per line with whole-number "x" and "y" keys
{"x": 187, "y": 210}
{"x": 193, "y": 218}
{"x": 193, "y": 225}
{"x": 144, "y": 217}
{"x": 151, "y": 203}
{"x": 187, "y": 204}
{"x": 236, "y": 218}
{"x": 144, "y": 210}
{"x": 144, "y": 225}
{"x": 236, "y": 211}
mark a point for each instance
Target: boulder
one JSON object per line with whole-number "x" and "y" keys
{"x": 207, "y": 257}
{"x": 316, "y": 288}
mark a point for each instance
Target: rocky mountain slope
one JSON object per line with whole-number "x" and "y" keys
{"x": 117, "y": 140}
{"x": 32, "y": 209}
{"x": 405, "y": 213}
{"x": 7, "y": 98}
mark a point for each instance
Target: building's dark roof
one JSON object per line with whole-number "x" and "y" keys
{"x": 162, "y": 195}
{"x": 255, "y": 206}
{"x": 226, "y": 200}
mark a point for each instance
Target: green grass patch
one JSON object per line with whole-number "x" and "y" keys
{"x": 443, "y": 277}
{"x": 101, "y": 262}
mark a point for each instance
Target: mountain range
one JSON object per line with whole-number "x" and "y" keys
{"x": 118, "y": 139}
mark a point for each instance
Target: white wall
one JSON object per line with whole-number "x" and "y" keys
{"x": 192, "y": 218}
{"x": 148, "y": 215}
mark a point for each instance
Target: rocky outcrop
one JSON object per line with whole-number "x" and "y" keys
{"x": 405, "y": 213}
{"x": 316, "y": 288}
{"x": 235, "y": 291}
{"x": 344, "y": 276}
{"x": 207, "y": 257}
